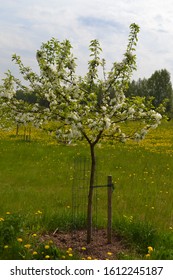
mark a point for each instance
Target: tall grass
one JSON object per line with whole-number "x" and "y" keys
{"x": 143, "y": 183}
{"x": 38, "y": 175}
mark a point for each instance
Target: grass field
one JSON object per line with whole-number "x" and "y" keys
{"x": 37, "y": 177}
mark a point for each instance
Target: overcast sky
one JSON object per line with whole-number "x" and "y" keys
{"x": 25, "y": 24}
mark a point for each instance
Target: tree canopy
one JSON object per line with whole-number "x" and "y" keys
{"x": 74, "y": 101}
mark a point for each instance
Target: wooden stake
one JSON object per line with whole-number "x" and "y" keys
{"x": 109, "y": 225}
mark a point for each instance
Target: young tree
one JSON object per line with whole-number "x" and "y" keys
{"x": 90, "y": 107}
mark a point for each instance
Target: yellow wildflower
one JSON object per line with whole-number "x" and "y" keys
{"x": 1, "y": 219}
{"x": 89, "y": 258}
{"x": 46, "y": 247}
{"x": 150, "y": 249}
{"x": 109, "y": 253}
{"x": 147, "y": 255}
{"x": 38, "y": 212}
{"x": 47, "y": 257}
{"x": 70, "y": 249}
{"x": 35, "y": 253}
{"x": 34, "y": 235}
{"x": 27, "y": 246}
{"x": 6, "y": 247}
{"x": 8, "y": 213}
{"x": 70, "y": 255}
{"x": 83, "y": 248}
{"x": 20, "y": 240}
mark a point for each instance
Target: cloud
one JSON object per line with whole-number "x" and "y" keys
{"x": 24, "y": 25}
{"x": 99, "y": 23}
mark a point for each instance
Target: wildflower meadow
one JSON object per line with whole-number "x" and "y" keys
{"x": 36, "y": 179}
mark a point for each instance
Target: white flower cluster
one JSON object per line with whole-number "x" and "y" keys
{"x": 24, "y": 118}
{"x": 7, "y": 94}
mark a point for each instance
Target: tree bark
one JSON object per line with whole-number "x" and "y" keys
{"x": 92, "y": 178}
{"x": 90, "y": 194}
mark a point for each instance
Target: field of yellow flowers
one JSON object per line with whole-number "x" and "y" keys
{"x": 38, "y": 174}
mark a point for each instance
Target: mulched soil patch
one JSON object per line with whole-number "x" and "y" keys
{"x": 97, "y": 249}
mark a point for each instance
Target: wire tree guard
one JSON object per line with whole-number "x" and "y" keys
{"x": 80, "y": 189}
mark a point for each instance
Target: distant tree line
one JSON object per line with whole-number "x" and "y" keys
{"x": 158, "y": 87}
{"x": 31, "y": 98}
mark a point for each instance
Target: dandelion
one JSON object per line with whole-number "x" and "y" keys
{"x": 46, "y": 247}
{"x": 69, "y": 250}
{"x": 1, "y": 219}
{"x": 34, "y": 235}
{"x": 20, "y": 240}
{"x": 83, "y": 248}
{"x": 50, "y": 242}
{"x": 89, "y": 258}
{"x": 147, "y": 255}
{"x": 109, "y": 253}
{"x": 35, "y": 253}
{"x": 27, "y": 246}
{"x": 38, "y": 212}
{"x": 70, "y": 255}
{"x": 47, "y": 257}
{"x": 6, "y": 247}
{"x": 150, "y": 249}
{"x": 8, "y": 213}
{"x": 63, "y": 257}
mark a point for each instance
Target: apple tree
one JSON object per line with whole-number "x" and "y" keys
{"x": 91, "y": 107}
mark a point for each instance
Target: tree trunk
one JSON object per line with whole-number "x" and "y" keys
{"x": 90, "y": 194}
{"x": 17, "y": 129}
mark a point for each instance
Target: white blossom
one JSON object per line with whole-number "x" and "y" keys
{"x": 107, "y": 122}
{"x": 123, "y": 138}
{"x": 157, "y": 116}
{"x": 131, "y": 111}
{"x": 104, "y": 108}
